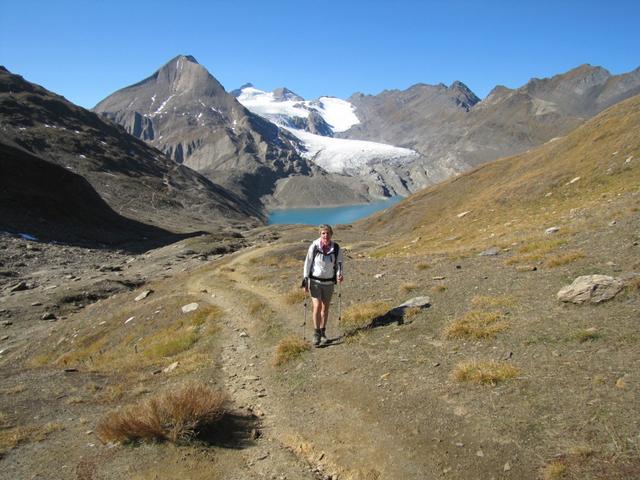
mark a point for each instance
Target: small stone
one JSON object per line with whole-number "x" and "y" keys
{"x": 49, "y": 316}
{"x": 459, "y": 444}
{"x": 379, "y": 275}
{"x": 507, "y": 467}
{"x": 19, "y": 287}
{"x": 526, "y": 268}
{"x": 439, "y": 277}
{"x": 437, "y": 364}
{"x": 36, "y": 304}
{"x": 6, "y": 323}
{"x": 128, "y": 320}
{"x": 189, "y": 307}
{"x": 244, "y": 334}
{"x": 551, "y": 230}
{"x": 171, "y": 367}
{"x": 4, "y": 337}
{"x": 384, "y": 376}
{"x": 479, "y": 453}
{"x": 462, "y": 214}
{"x": 143, "y": 295}
{"x": 489, "y": 252}
{"x": 612, "y": 223}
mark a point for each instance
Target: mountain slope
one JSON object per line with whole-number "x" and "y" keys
{"x": 453, "y": 131}
{"x": 502, "y": 201}
{"x": 184, "y": 111}
{"x": 136, "y": 181}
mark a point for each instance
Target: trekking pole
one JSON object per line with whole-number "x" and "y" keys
{"x": 304, "y": 325}
{"x": 340, "y": 303}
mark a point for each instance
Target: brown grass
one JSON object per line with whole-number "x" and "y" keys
{"x": 257, "y": 307}
{"x": 554, "y": 470}
{"x": 12, "y": 437}
{"x": 21, "y": 387}
{"x": 289, "y": 348}
{"x": 174, "y": 416}
{"x": 588, "y": 335}
{"x": 422, "y": 266}
{"x": 475, "y": 324}
{"x": 487, "y": 301}
{"x": 488, "y": 372}
{"x": 408, "y": 287}
{"x": 294, "y": 296}
{"x": 564, "y": 259}
{"x": 360, "y": 315}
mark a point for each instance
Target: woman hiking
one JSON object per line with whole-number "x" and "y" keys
{"x": 322, "y": 270}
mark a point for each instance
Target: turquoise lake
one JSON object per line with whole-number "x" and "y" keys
{"x": 329, "y": 215}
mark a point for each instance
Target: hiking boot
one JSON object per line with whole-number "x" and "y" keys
{"x": 323, "y": 337}
{"x": 316, "y": 338}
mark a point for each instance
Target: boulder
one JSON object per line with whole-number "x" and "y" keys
{"x": 590, "y": 288}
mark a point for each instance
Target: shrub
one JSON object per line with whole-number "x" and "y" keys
{"x": 487, "y": 372}
{"x": 361, "y": 315}
{"x": 475, "y": 324}
{"x": 175, "y": 416}
{"x": 289, "y": 348}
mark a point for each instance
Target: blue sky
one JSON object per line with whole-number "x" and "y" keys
{"x": 86, "y": 50}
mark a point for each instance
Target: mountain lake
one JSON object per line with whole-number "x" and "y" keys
{"x": 329, "y": 215}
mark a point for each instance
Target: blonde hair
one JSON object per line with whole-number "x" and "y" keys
{"x": 326, "y": 227}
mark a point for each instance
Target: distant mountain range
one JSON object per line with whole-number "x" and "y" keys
{"x": 183, "y": 154}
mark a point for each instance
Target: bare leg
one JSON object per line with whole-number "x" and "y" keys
{"x": 317, "y": 309}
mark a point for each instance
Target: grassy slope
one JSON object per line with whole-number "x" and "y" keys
{"x": 518, "y": 197}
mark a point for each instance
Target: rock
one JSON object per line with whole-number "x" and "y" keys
{"x": 49, "y": 316}
{"x": 438, "y": 278}
{"x": 526, "y": 268}
{"x": 419, "y": 302}
{"x": 379, "y": 275}
{"x": 479, "y": 453}
{"x": 143, "y": 295}
{"x": 507, "y": 467}
{"x": 243, "y": 334}
{"x": 6, "y": 323}
{"x": 171, "y": 367}
{"x": 574, "y": 180}
{"x": 590, "y": 288}
{"x": 460, "y": 215}
{"x": 128, "y": 320}
{"x": 36, "y": 304}
{"x": 189, "y": 307}
{"x": 551, "y": 230}
{"x": 490, "y": 252}
{"x": 20, "y": 286}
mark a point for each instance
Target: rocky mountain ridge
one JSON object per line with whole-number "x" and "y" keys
{"x": 137, "y": 182}
{"x": 185, "y": 112}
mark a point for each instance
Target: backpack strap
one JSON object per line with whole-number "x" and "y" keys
{"x": 316, "y": 251}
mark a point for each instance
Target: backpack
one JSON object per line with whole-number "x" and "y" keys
{"x": 316, "y": 251}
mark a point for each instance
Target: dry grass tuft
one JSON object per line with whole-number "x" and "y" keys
{"x": 174, "y": 416}
{"x": 588, "y": 335}
{"x": 422, "y": 266}
{"x": 290, "y": 348}
{"x": 554, "y": 470}
{"x": 438, "y": 289}
{"x": 169, "y": 347}
{"x": 21, "y": 387}
{"x": 294, "y": 296}
{"x": 359, "y": 316}
{"x": 475, "y": 324}
{"x": 487, "y": 301}
{"x": 564, "y": 259}
{"x": 12, "y": 437}
{"x": 257, "y": 307}
{"x": 408, "y": 287}
{"x": 487, "y": 372}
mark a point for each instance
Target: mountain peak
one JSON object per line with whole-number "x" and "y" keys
{"x": 283, "y": 93}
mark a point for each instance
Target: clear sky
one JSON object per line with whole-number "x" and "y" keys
{"x": 86, "y": 50}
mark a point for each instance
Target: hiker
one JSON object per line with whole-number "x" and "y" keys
{"x": 322, "y": 270}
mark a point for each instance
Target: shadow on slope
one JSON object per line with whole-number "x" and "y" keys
{"x": 46, "y": 201}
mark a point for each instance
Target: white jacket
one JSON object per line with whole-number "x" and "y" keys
{"x": 323, "y": 265}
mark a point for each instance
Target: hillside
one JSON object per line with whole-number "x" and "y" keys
{"x": 493, "y": 377}
{"x": 522, "y": 195}
{"x": 135, "y": 180}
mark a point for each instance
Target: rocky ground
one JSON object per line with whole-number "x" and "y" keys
{"x": 380, "y": 403}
